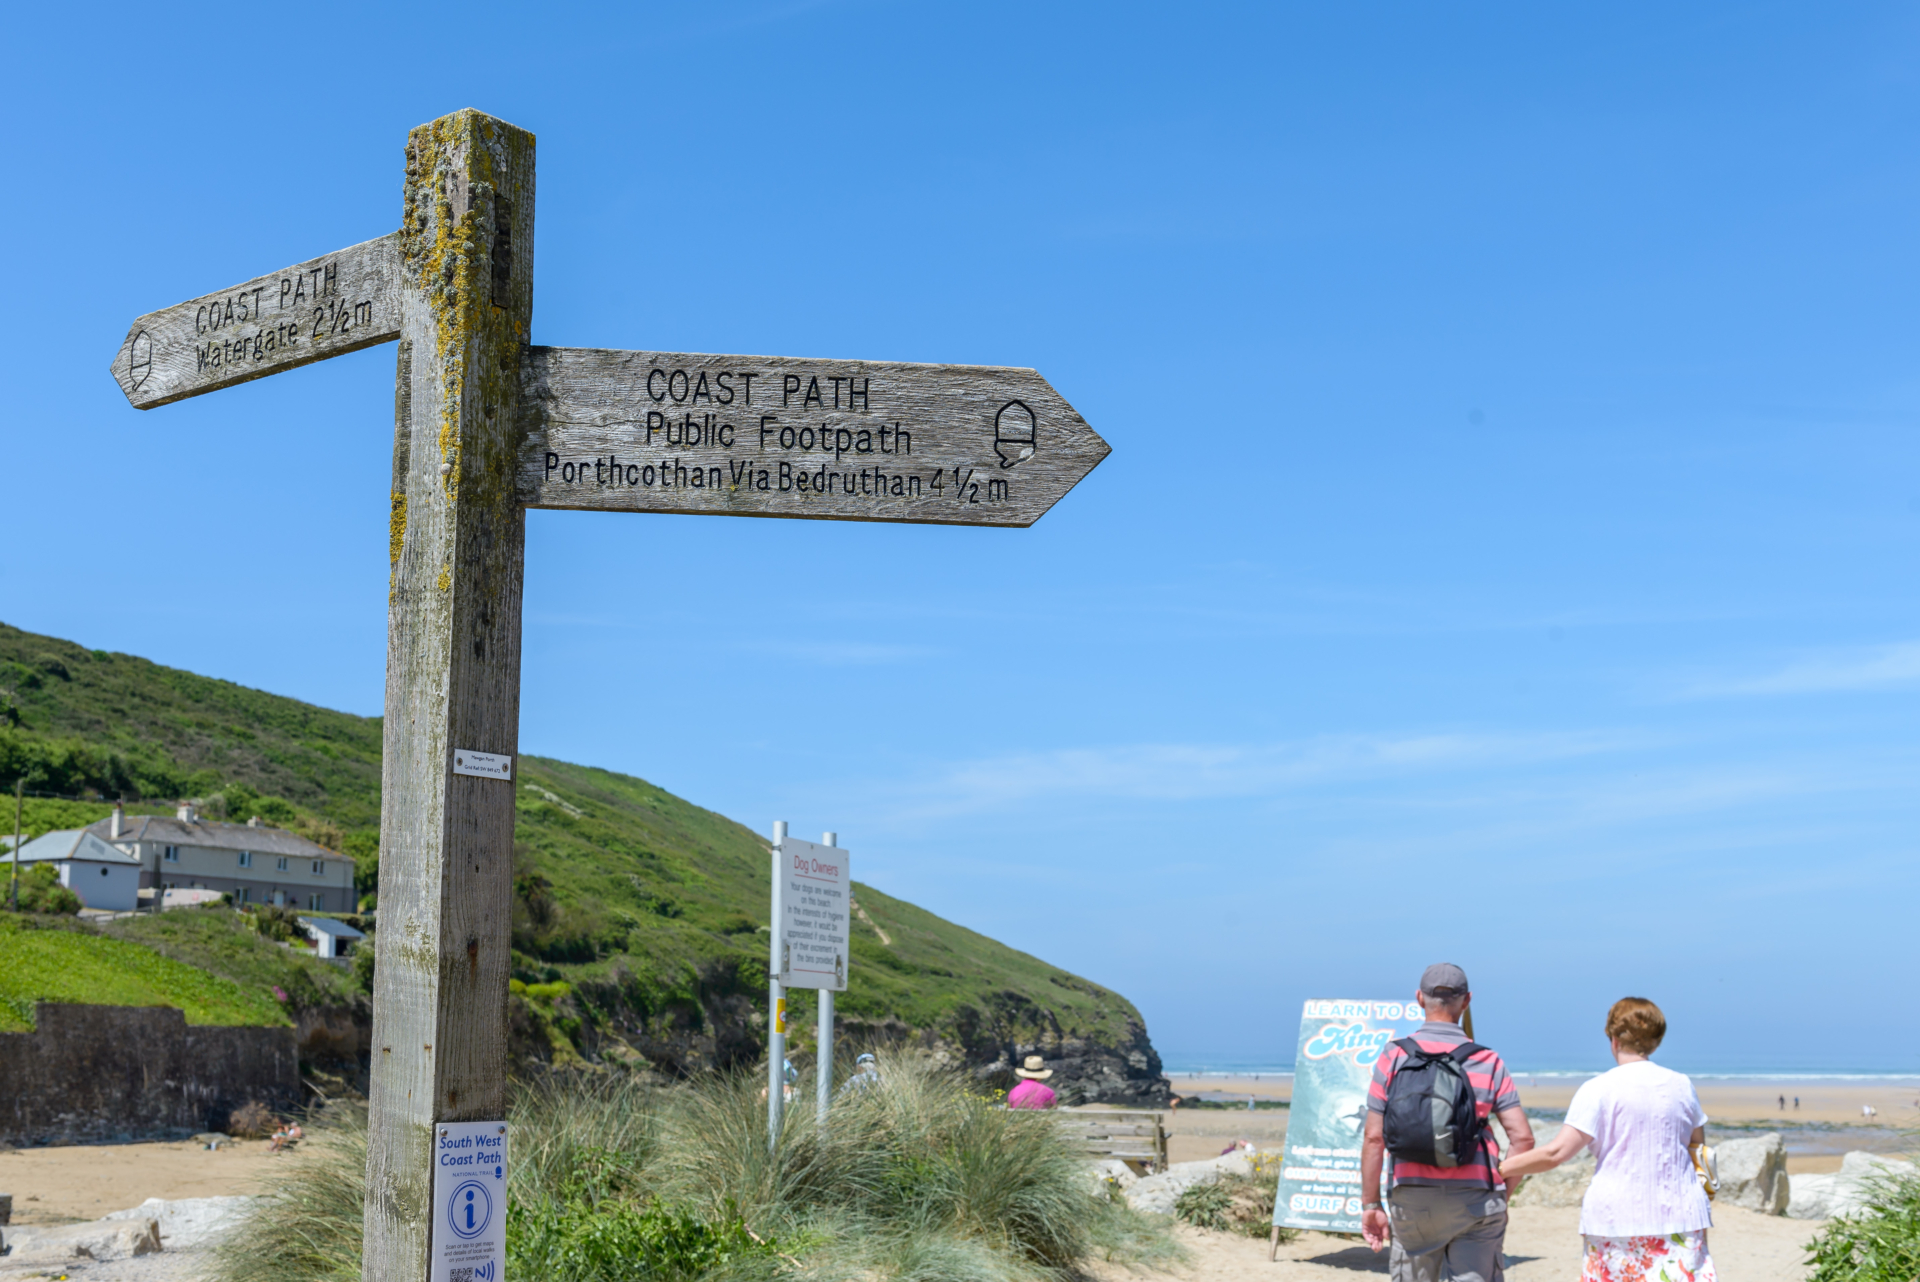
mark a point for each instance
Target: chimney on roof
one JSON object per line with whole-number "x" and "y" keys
{"x": 253, "y": 821}
{"x": 117, "y": 823}
{"x": 185, "y": 812}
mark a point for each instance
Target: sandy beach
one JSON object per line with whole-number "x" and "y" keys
{"x": 1543, "y": 1245}
{"x": 67, "y": 1183}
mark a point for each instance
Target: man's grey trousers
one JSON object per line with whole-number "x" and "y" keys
{"x": 1446, "y": 1233}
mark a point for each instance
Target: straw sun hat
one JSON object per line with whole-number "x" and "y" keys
{"x": 1036, "y": 1069}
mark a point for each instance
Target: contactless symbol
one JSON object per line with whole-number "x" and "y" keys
{"x": 1013, "y": 433}
{"x": 483, "y": 1272}
{"x": 139, "y": 359}
{"x": 470, "y": 1209}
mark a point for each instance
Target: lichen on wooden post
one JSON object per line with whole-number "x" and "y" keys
{"x": 453, "y": 667}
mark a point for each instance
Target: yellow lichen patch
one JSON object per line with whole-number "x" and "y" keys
{"x": 396, "y": 527}
{"x": 446, "y": 579}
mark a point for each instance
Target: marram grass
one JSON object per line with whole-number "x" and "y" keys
{"x": 613, "y": 1180}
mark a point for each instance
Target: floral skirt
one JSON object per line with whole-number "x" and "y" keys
{"x": 1669, "y": 1257}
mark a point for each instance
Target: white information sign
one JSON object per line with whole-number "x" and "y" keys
{"x": 484, "y": 765}
{"x": 815, "y": 894}
{"x": 469, "y": 1202}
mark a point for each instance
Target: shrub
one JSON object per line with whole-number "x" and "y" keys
{"x": 1232, "y": 1204}
{"x": 1882, "y": 1244}
{"x": 41, "y": 892}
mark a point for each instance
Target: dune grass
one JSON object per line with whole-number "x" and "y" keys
{"x": 611, "y": 1179}
{"x": 43, "y": 961}
{"x": 1880, "y": 1245}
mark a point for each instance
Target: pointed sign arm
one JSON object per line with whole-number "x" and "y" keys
{"x": 326, "y": 306}
{"x": 781, "y": 436}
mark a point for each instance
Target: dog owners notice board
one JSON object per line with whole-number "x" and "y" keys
{"x": 1320, "y": 1174}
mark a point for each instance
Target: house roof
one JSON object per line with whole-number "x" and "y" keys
{"x": 170, "y": 831}
{"x": 328, "y": 926}
{"x": 70, "y": 843}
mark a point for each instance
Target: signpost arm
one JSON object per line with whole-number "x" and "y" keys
{"x": 776, "y": 997}
{"x": 823, "y": 1060}
{"x": 453, "y": 668}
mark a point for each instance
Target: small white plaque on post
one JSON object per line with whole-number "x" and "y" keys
{"x": 816, "y": 898}
{"x": 469, "y": 1202}
{"x": 483, "y": 765}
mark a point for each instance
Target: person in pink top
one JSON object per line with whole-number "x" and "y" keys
{"x": 1645, "y": 1216}
{"x": 1032, "y": 1093}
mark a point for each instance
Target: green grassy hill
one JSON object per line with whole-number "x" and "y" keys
{"x": 648, "y": 909}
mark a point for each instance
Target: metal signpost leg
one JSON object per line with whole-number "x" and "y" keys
{"x": 823, "y": 1058}
{"x": 776, "y": 999}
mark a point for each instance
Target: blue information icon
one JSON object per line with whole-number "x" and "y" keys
{"x": 469, "y": 1210}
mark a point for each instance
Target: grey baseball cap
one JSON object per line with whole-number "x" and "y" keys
{"x": 1443, "y": 975}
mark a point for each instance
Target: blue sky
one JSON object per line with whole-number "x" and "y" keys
{"x": 1507, "y": 553}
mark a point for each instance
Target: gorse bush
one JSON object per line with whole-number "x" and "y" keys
{"x": 40, "y": 891}
{"x": 612, "y": 1180}
{"x": 1882, "y": 1244}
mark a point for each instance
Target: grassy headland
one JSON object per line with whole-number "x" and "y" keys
{"x": 649, "y": 909}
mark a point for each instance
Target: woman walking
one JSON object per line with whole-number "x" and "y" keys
{"x": 1645, "y": 1216}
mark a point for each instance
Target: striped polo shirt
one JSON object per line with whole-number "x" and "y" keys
{"x": 1493, "y": 1092}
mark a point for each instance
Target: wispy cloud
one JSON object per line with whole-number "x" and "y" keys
{"x": 1187, "y": 772}
{"x": 1882, "y": 667}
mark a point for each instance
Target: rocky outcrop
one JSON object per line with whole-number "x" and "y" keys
{"x": 1845, "y": 1192}
{"x": 99, "y": 1240}
{"x": 718, "y": 1023}
{"x": 1753, "y": 1173}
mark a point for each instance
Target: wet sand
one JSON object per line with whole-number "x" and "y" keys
{"x": 1827, "y": 1125}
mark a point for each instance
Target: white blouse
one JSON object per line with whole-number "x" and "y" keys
{"x": 1640, "y": 1116}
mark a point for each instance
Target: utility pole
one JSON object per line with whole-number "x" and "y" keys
{"x": 13, "y": 882}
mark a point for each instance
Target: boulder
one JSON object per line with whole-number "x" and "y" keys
{"x": 1822, "y": 1197}
{"x": 190, "y": 1222}
{"x": 98, "y": 1240}
{"x": 1156, "y": 1194}
{"x": 1753, "y": 1174}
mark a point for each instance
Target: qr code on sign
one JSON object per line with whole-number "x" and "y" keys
{"x": 459, "y": 1275}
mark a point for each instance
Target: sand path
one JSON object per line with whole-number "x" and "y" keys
{"x": 68, "y": 1183}
{"x": 1543, "y": 1245}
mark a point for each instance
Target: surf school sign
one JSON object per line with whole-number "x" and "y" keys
{"x": 1320, "y": 1173}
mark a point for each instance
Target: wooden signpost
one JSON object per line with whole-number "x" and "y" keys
{"x": 486, "y": 426}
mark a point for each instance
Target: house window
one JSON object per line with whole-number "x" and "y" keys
{"x": 316, "y": 902}
{"x": 246, "y": 894}
{"x": 170, "y": 853}
{"x": 281, "y": 863}
{"x": 319, "y": 867}
{"x": 246, "y": 859}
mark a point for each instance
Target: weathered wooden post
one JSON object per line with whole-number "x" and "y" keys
{"x": 453, "y": 667}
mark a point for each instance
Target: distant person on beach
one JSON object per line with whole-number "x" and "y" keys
{"x": 1446, "y": 1211}
{"x": 1783, "y": 1103}
{"x": 1032, "y": 1092}
{"x": 1645, "y": 1215}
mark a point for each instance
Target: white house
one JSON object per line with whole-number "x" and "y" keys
{"x": 330, "y": 938}
{"x": 252, "y": 862}
{"x": 104, "y": 877}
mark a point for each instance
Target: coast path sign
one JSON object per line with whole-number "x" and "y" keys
{"x": 486, "y": 426}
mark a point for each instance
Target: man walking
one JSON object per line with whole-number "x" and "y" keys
{"x": 1428, "y": 1107}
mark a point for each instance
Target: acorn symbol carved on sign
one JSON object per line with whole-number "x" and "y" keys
{"x": 139, "y": 359}
{"x": 1013, "y": 433}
